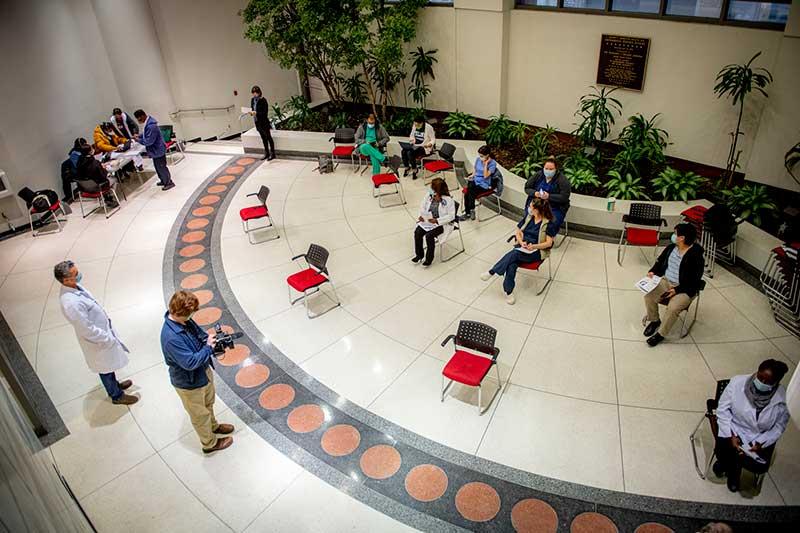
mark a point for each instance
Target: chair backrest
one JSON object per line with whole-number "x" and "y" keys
{"x": 344, "y": 136}
{"x": 317, "y": 257}
{"x": 88, "y": 186}
{"x": 263, "y": 194}
{"x": 711, "y": 403}
{"x": 167, "y": 132}
{"x": 447, "y": 151}
{"x": 476, "y": 336}
{"x": 644, "y": 214}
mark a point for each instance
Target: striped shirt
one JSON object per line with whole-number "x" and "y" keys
{"x": 673, "y": 266}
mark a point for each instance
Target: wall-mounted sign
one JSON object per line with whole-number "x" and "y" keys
{"x": 622, "y": 61}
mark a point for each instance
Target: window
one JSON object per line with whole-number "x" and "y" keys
{"x": 758, "y": 11}
{"x": 636, "y": 6}
{"x": 540, "y": 3}
{"x": 585, "y": 4}
{"x": 694, "y": 8}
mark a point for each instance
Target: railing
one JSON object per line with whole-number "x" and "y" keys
{"x": 178, "y": 112}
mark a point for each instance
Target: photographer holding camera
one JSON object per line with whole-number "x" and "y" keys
{"x": 189, "y": 354}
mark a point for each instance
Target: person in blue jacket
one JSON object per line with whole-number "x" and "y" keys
{"x": 152, "y": 140}
{"x": 484, "y": 177}
{"x": 189, "y": 356}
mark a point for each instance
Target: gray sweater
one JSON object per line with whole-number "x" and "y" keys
{"x": 380, "y": 134}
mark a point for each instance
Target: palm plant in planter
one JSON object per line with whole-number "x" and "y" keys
{"x": 750, "y": 202}
{"x": 499, "y": 131}
{"x": 422, "y": 64}
{"x": 737, "y": 82}
{"x": 460, "y": 124}
{"x": 581, "y": 179}
{"x": 624, "y": 187}
{"x": 673, "y": 184}
{"x": 596, "y": 111}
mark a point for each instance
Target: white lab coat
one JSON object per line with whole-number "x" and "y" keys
{"x": 736, "y": 415}
{"x": 428, "y": 141}
{"x": 103, "y": 350}
{"x": 447, "y": 214}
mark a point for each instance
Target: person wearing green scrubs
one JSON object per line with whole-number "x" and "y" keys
{"x": 372, "y": 138}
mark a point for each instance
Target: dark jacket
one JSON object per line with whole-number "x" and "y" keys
{"x": 690, "y": 273}
{"x": 381, "y": 134}
{"x": 186, "y": 353}
{"x": 90, "y": 168}
{"x": 151, "y": 138}
{"x": 559, "y": 189}
{"x": 260, "y": 105}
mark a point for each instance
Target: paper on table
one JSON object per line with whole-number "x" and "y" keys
{"x": 648, "y": 284}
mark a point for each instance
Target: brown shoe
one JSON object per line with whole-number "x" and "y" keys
{"x": 125, "y": 399}
{"x": 224, "y": 429}
{"x": 125, "y": 384}
{"x": 221, "y": 444}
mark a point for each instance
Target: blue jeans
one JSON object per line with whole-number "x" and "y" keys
{"x": 507, "y": 267}
{"x": 111, "y": 384}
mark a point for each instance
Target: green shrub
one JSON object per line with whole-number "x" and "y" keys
{"x": 278, "y": 114}
{"x": 750, "y": 202}
{"x": 354, "y": 88}
{"x": 538, "y": 146}
{"x": 499, "y": 131}
{"x": 460, "y": 124}
{"x": 339, "y": 120}
{"x": 643, "y": 145}
{"x": 582, "y": 178}
{"x": 625, "y": 188}
{"x": 299, "y": 112}
{"x": 518, "y": 132}
{"x": 596, "y": 111}
{"x": 527, "y": 167}
{"x": 673, "y": 184}
{"x": 578, "y": 160}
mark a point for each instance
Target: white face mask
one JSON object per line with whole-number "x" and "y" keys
{"x": 549, "y": 173}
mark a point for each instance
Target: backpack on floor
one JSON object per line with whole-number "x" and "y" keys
{"x": 325, "y": 164}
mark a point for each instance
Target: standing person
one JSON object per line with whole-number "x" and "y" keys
{"x": 124, "y": 123}
{"x": 156, "y": 147}
{"x": 260, "y": 110}
{"x": 552, "y": 185}
{"x": 436, "y": 211}
{"x": 189, "y": 356}
{"x": 482, "y": 180}
{"x": 422, "y": 139}
{"x": 371, "y": 139}
{"x": 680, "y": 266}
{"x": 104, "y": 352}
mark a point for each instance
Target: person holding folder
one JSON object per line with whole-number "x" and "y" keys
{"x": 420, "y": 143}
{"x": 259, "y": 108}
{"x": 436, "y": 211}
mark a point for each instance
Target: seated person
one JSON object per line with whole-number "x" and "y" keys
{"x": 482, "y": 180}
{"x": 533, "y": 240}
{"x": 422, "y": 139}
{"x": 89, "y": 168}
{"x": 107, "y": 139}
{"x": 552, "y": 185}
{"x": 751, "y": 415}
{"x": 436, "y": 211}
{"x": 371, "y": 139}
{"x": 69, "y": 168}
{"x": 680, "y": 266}
{"x": 125, "y": 125}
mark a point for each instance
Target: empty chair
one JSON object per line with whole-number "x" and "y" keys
{"x": 470, "y": 368}
{"x": 257, "y": 212}
{"x": 445, "y": 162}
{"x": 344, "y": 144}
{"x": 641, "y": 227}
{"x": 173, "y": 147}
{"x": 388, "y": 178}
{"x": 45, "y": 204}
{"x": 309, "y": 280}
{"x": 103, "y": 193}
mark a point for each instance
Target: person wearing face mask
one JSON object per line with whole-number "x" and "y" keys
{"x": 436, "y": 211}
{"x": 482, "y": 179}
{"x": 422, "y": 139}
{"x": 189, "y": 356}
{"x": 260, "y": 111}
{"x": 751, "y": 416}
{"x": 103, "y": 350}
{"x": 680, "y": 266}
{"x": 533, "y": 241}
{"x": 552, "y": 185}
{"x": 152, "y": 140}
{"x": 371, "y": 139}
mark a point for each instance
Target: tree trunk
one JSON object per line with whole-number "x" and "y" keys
{"x": 384, "y": 98}
{"x": 370, "y": 88}
{"x": 733, "y": 159}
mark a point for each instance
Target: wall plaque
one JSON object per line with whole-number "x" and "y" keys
{"x": 623, "y": 61}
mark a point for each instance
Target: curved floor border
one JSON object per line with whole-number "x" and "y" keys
{"x": 329, "y": 435}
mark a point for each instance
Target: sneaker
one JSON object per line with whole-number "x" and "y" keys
{"x": 462, "y": 218}
{"x": 719, "y": 471}
{"x": 414, "y": 175}
{"x": 125, "y": 384}
{"x": 486, "y": 276}
{"x": 224, "y": 442}
{"x": 426, "y": 264}
{"x": 406, "y": 171}
{"x": 655, "y": 340}
{"x": 140, "y": 168}
{"x": 168, "y": 186}
{"x": 224, "y": 429}
{"x": 651, "y": 328}
{"x": 510, "y": 300}
{"x": 472, "y": 215}
{"x": 733, "y": 484}
{"x": 125, "y": 399}
{"x": 416, "y": 260}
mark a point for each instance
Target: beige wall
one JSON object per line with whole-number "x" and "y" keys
{"x": 207, "y": 58}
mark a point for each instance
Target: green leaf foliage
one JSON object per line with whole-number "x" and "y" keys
{"x": 737, "y": 81}
{"x": 538, "y": 146}
{"x": 581, "y": 179}
{"x": 596, "y": 111}
{"x": 625, "y": 187}
{"x": 354, "y": 88}
{"x": 527, "y": 167}
{"x": 519, "y": 131}
{"x": 673, "y": 184}
{"x": 750, "y": 202}
{"x": 460, "y": 124}
{"x": 579, "y": 160}
{"x": 499, "y": 131}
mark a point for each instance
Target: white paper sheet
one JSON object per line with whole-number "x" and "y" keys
{"x": 647, "y": 284}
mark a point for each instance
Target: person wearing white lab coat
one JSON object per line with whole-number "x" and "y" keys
{"x": 751, "y": 415}
{"x": 103, "y": 350}
{"x": 436, "y": 212}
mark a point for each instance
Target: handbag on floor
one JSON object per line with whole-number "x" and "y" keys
{"x": 324, "y": 164}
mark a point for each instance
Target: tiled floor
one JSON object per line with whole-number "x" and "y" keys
{"x": 583, "y": 398}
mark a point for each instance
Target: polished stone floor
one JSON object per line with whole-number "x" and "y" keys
{"x": 583, "y": 398}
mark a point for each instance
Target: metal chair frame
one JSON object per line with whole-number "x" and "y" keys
{"x": 684, "y": 315}
{"x": 398, "y": 190}
{"x": 344, "y": 137}
{"x": 101, "y": 203}
{"x": 50, "y": 209}
{"x": 526, "y": 266}
{"x": 496, "y": 213}
{"x": 640, "y": 214}
{"x": 262, "y": 194}
{"x": 445, "y": 153}
{"x": 316, "y": 258}
{"x": 478, "y": 337}
{"x": 443, "y": 243}
{"x": 172, "y": 151}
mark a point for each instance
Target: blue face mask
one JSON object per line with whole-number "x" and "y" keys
{"x": 549, "y": 173}
{"x": 673, "y": 238}
{"x": 79, "y": 277}
{"x": 370, "y": 125}
{"x": 761, "y": 386}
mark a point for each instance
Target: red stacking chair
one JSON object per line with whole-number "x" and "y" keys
{"x": 469, "y": 368}
{"x": 51, "y": 208}
{"x": 378, "y": 180}
{"x": 534, "y": 266}
{"x": 445, "y": 162}
{"x": 641, "y": 227}
{"x": 491, "y": 194}
{"x": 344, "y": 145}
{"x": 257, "y": 212}
{"x": 91, "y": 190}
{"x": 309, "y": 280}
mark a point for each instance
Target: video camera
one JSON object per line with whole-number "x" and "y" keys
{"x": 223, "y": 340}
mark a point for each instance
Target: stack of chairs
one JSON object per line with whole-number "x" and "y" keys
{"x": 780, "y": 281}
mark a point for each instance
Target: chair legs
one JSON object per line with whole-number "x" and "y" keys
{"x": 55, "y": 218}
{"x": 549, "y": 278}
{"x": 692, "y": 438}
{"x": 684, "y": 328}
{"x": 309, "y": 292}
{"x": 398, "y": 190}
{"x": 564, "y": 236}
{"x": 445, "y": 258}
{"x": 494, "y": 213}
{"x": 248, "y": 230}
{"x": 621, "y": 248}
{"x": 480, "y": 389}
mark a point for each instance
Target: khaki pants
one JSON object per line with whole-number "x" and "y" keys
{"x": 676, "y": 304}
{"x": 199, "y": 403}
